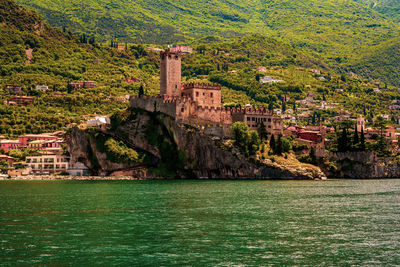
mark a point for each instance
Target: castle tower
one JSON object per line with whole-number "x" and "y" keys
{"x": 360, "y": 124}
{"x": 170, "y": 73}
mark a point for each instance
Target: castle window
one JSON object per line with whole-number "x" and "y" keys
{"x": 211, "y": 94}
{"x": 203, "y": 93}
{"x": 265, "y": 119}
{"x": 248, "y": 118}
{"x": 269, "y": 120}
{"x": 253, "y": 119}
{"x": 182, "y": 109}
{"x": 176, "y": 86}
{"x": 197, "y": 93}
{"x": 212, "y": 101}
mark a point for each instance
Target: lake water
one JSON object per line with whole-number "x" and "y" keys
{"x": 200, "y": 223}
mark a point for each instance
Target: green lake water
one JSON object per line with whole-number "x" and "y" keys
{"x": 200, "y": 223}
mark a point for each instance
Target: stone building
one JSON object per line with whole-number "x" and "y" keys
{"x": 206, "y": 95}
{"x": 199, "y": 103}
{"x": 255, "y": 117}
{"x": 170, "y": 73}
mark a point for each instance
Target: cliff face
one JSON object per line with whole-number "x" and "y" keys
{"x": 189, "y": 151}
{"x": 364, "y": 165}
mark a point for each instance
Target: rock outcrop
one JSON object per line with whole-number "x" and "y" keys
{"x": 202, "y": 156}
{"x": 364, "y": 165}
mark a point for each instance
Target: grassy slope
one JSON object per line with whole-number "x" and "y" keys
{"x": 333, "y": 30}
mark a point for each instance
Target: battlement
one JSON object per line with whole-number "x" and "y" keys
{"x": 169, "y": 53}
{"x": 206, "y": 86}
{"x": 252, "y": 111}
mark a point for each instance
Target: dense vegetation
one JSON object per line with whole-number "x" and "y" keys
{"x": 341, "y": 33}
{"x": 60, "y": 56}
{"x": 391, "y": 8}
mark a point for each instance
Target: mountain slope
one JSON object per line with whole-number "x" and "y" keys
{"x": 391, "y": 8}
{"x": 381, "y": 63}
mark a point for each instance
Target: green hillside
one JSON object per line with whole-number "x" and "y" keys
{"x": 61, "y": 56}
{"x": 381, "y": 62}
{"x": 330, "y": 28}
{"x": 391, "y": 8}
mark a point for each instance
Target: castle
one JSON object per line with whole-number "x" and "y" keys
{"x": 199, "y": 103}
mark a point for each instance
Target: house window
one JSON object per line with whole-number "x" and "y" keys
{"x": 248, "y": 118}
{"x": 253, "y": 119}
{"x": 182, "y": 109}
{"x": 204, "y": 94}
{"x": 197, "y": 93}
{"x": 269, "y": 120}
{"x": 211, "y": 94}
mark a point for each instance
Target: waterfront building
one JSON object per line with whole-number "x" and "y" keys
{"x": 48, "y": 163}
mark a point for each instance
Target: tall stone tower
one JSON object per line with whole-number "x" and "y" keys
{"x": 170, "y": 73}
{"x": 360, "y": 124}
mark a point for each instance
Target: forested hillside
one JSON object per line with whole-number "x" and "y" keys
{"x": 391, "y": 8}
{"x": 335, "y": 31}
{"x": 60, "y": 57}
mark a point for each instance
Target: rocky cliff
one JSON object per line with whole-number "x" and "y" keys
{"x": 363, "y": 165}
{"x": 176, "y": 150}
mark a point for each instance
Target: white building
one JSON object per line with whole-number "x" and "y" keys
{"x": 48, "y": 163}
{"x": 98, "y": 121}
{"x": 78, "y": 169}
{"x": 42, "y": 87}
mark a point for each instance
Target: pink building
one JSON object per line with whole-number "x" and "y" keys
{"x": 89, "y": 84}
{"x": 8, "y": 145}
{"x": 22, "y": 100}
{"x": 25, "y": 139}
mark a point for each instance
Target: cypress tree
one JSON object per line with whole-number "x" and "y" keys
{"x": 141, "y": 90}
{"x": 355, "y": 139}
{"x": 272, "y": 143}
{"x": 262, "y": 131}
{"x": 278, "y": 147}
{"x": 283, "y": 106}
{"x": 362, "y": 147}
{"x": 313, "y": 157}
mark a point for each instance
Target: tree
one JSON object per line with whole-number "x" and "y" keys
{"x": 141, "y": 90}
{"x": 270, "y": 106}
{"x": 272, "y": 143}
{"x": 240, "y": 133}
{"x": 92, "y": 40}
{"x": 313, "y": 157}
{"x": 343, "y": 141}
{"x": 263, "y": 131}
{"x": 283, "y": 106}
{"x": 355, "y": 138}
{"x": 15, "y": 153}
{"x": 278, "y": 147}
{"x": 247, "y": 141}
{"x": 253, "y": 143}
{"x": 286, "y": 146}
{"x": 362, "y": 142}
{"x": 380, "y": 123}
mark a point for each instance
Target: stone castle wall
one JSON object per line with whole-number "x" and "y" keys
{"x": 182, "y": 109}
{"x": 152, "y": 103}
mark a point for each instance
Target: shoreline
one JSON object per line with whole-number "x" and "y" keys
{"x": 68, "y": 178}
{"x": 126, "y": 178}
